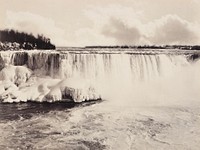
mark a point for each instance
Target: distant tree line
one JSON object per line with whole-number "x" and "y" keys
{"x": 184, "y": 47}
{"x": 25, "y": 40}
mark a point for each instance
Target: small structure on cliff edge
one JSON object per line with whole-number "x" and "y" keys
{"x": 14, "y": 40}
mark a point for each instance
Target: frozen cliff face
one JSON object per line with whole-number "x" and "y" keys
{"x": 92, "y": 66}
{"x": 97, "y": 66}
{"x": 42, "y": 63}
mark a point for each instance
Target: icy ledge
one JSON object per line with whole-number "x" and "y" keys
{"x": 18, "y": 84}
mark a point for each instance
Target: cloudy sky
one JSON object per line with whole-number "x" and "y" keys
{"x": 105, "y": 22}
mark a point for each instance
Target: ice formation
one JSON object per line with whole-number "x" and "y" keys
{"x": 31, "y": 77}
{"x": 41, "y": 89}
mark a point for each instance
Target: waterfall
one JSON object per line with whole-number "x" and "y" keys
{"x": 110, "y": 66}
{"x": 114, "y": 74}
{"x": 132, "y": 67}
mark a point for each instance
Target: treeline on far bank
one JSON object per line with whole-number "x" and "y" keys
{"x": 183, "y": 47}
{"x": 21, "y": 40}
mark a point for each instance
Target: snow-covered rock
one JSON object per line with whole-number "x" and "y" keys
{"x": 44, "y": 89}
{"x": 75, "y": 89}
{"x": 16, "y": 74}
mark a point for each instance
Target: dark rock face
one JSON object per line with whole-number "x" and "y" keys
{"x": 2, "y": 63}
{"x": 194, "y": 57}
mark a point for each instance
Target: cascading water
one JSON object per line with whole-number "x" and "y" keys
{"x": 95, "y": 66}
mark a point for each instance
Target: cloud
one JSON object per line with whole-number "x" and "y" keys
{"x": 127, "y": 26}
{"x": 115, "y": 24}
{"x": 171, "y": 29}
{"x": 102, "y": 15}
{"x": 88, "y": 36}
{"x": 36, "y": 24}
{"x": 121, "y": 32}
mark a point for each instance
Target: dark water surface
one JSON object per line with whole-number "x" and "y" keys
{"x": 16, "y": 111}
{"x": 34, "y": 125}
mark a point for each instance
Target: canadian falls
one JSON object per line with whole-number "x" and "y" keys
{"x": 136, "y": 99}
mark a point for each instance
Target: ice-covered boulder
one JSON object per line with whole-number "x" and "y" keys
{"x": 77, "y": 90}
{"x": 7, "y": 90}
{"x": 54, "y": 95}
{"x": 16, "y": 74}
{"x": 22, "y": 74}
